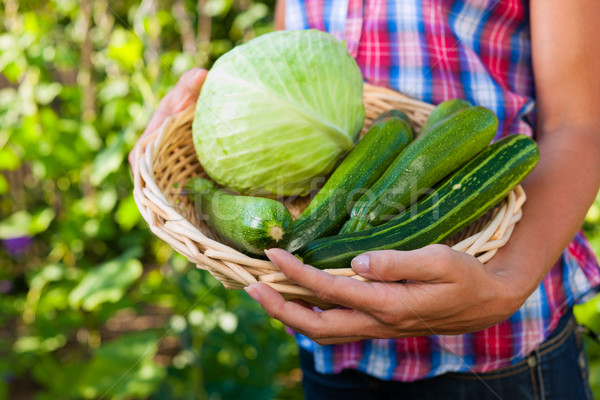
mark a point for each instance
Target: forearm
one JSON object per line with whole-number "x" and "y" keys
{"x": 559, "y": 192}
{"x": 563, "y": 185}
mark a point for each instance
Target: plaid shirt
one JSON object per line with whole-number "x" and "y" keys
{"x": 435, "y": 50}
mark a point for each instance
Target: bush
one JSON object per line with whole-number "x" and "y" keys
{"x": 92, "y": 305}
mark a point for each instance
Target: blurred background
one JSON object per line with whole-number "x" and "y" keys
{"x": 92, "y": 306}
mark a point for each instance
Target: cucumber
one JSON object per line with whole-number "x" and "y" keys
{"x": 385, "y": 139}
{"x": 249, "y": 224}
{"x": 443, "y": 111}
{"x": 445, "y": 147}
{"x": 462, "y": 198}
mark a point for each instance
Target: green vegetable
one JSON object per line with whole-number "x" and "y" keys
{"x": 328, "y": 210}
{"x": 427, "y": 160}
{"x": 464, "y": 197}
{"x": 278, "y": 112}
{"x": 443, "y": 111}
{"x": 250, "y": 224}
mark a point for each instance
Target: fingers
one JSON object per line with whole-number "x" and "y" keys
{"x": 341, "y": 340}
{"x": 184, "y": 94}
{"x": 434, "y": 263}
{"x": 340, "y": 290}
{"x": 336, "y": 323}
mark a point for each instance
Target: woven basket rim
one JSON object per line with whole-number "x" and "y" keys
{"x": 172, "y": 224}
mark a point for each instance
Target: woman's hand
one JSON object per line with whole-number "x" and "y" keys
{"x": 447, "y": 292}
{"x": 184, "y": 94}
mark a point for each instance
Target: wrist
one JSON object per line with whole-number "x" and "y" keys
{"x": 516, "y": 281}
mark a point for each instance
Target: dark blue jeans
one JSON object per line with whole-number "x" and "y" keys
{"x": 557, "y": 369}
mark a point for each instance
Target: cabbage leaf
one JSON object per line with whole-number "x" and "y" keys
{"x": 278, "y": 112}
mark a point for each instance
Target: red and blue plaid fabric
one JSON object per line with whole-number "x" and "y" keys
{"x": 435, "y": 50}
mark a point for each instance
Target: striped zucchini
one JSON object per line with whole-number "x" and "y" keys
{"x": 427, "y": 160}
{"x": 464, "y": 197}
{"x": 386, "y": 138}
{"x": 249, "y": 224}
{"x": 443, "y": 111}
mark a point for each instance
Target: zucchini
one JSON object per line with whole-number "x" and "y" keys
{"x": 445, "y": 147}
{"x": 443, "y": 111}
{"x": 389, "y": 134}
{"x": 249, "y": 224}
{"x": 464, "y": 197}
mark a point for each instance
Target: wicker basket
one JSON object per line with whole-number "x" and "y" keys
{"x": 166, "y": 159}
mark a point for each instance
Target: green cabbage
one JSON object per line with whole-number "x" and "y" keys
{"x": 277, "y": 112}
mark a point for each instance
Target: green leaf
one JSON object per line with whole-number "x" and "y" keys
{"x": 228, "y": 322}
{"x": 107, "y": 161}
{"x": 246, "y": 19}
{"x": 41, "y": 220}
{"x": 106, "y": 199}
{"x": 12, "y": 60}
{"x": 90, "y": 136}
{"x": 593, "y": 214}
{"x": 49, "y": 273}
{"x": 125, "y": 48}
{"x": 123, "y": 369}
{"x": 66, "y": 6}
{"x": 8, "y": 159}
{"x": 4, "y": 186}
{"x": 31, "y": 23}
{"x": 105, "y": 283}
{"x": 57, "y": 376}
{"x": 215, "y": 8}
{"x": 219, "y": 47}
{"x": 26, "y": 344}
{"x": 114, "y": 89}
{"x": 22, "y": 223}
{"x": 588, "y": 313}
{"x": 13, "y": 71}
{"x": 127, "y": 214}
{"x": 46, "y": 92}
{"x": 183, "y": 62}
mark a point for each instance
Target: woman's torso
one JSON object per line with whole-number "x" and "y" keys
{"x": 434, "y": 50}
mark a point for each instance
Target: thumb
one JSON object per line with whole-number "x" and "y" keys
{"x": 428, "y": 264}
{"x": 184, "y": 94}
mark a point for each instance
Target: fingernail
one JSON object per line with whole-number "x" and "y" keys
{"x": 270, "y": 256}
{"x": 198, "y": 72}
{"x": 360, "y": 264}
{"x": 253, "y": 293}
